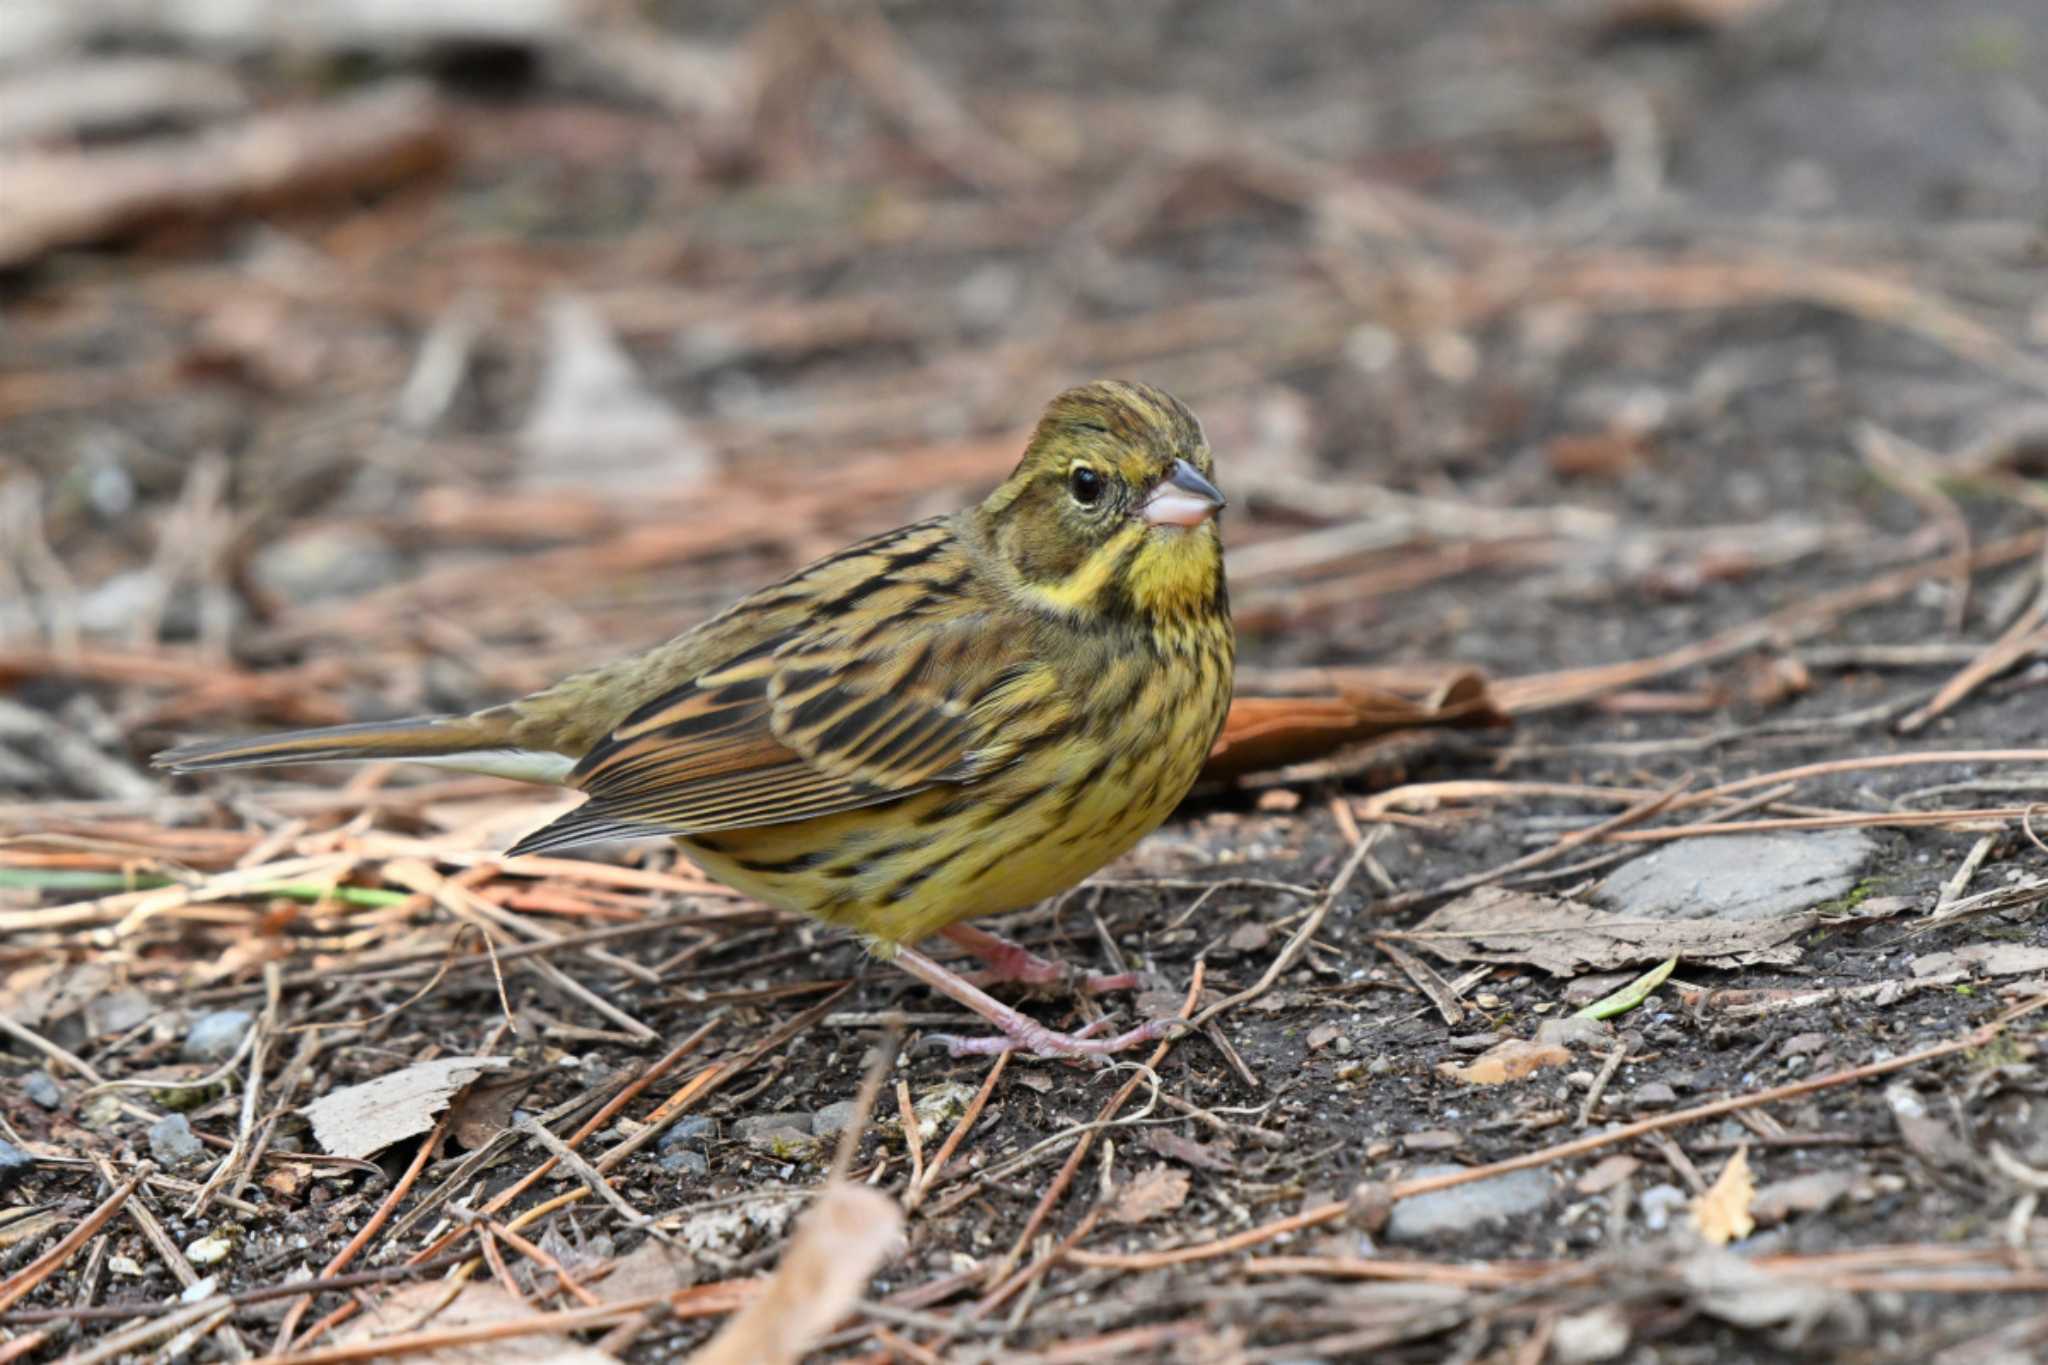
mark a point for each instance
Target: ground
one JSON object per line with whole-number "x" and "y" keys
{"x": 1676, "y": 369}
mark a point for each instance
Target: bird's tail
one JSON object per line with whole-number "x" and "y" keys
{"x": 479, "y": 744}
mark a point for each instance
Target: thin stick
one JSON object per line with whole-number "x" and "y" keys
{"x": 915, "y": 1195}
{"x": 913, "y": 1141}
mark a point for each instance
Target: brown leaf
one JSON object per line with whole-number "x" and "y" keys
{"x": 1722, "y": 1213}
{"x": 1151, "y": 1193}
{"x": 1512, "y": 1060}
{"x": 838, "y": 1244}
{"x": 1600, "y": 454}
{"x": 484, "y": 1109}
{"x": 1274, "y": 732}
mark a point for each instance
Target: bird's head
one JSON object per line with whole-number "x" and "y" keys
{"x": 1111, "y": 514}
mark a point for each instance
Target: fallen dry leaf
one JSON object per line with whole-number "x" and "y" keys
{"x": 1568, "y": 937}
{"x": 1722, "y": 1213}
{"x": 1511, "y": 1060}
{"x": 362, "y": 1120}
{"x": 838, "y": 1244}
{"x": 484, "y": 1109}
{"x": 1274, "y": 732}
{"x": 1149, "y": 1194}
{"x": 1991, "y": 959}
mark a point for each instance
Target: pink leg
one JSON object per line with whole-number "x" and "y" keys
{"x": 1009, "y": 961}
{"x": 1020, "y": 1033}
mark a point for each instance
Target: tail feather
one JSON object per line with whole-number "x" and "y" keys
{"x": 466, "y": 743}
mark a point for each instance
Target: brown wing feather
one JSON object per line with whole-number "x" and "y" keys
{"x": 810, "y": 719}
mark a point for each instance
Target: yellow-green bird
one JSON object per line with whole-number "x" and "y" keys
{"x": 957, "y": 718}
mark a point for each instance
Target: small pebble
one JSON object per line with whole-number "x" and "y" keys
{"x": 173, "y": 1143}
{"x": 116, "y": 1012}
{"x": 214, "y": 1037}
{"x": 684, "y": 1161}
{"x": 833, "y": 1118}
{"x": 1426, "y": 1217}
{"x": 1572, "y": 1031}
{"x": 210, "y": 1250}
{"x": 1659, "y": 1202}
{"x": 1655, "y": 1095}
{"x": 754, "y": 1125}
{"x": 685, "y": 1131}
{"x": 42, "y": 1089}
{"x": 15, "y": 1164}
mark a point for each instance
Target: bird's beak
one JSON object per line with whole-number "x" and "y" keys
{"x": 1182, "y": 498}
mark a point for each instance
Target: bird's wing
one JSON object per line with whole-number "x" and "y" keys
{"x": 840, "y": 710}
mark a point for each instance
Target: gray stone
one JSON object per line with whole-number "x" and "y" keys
{"x": 214, "y": 1037}
{"x": 42, "y": 1089}
{"x": 754, "y": 1125}
{"x": 1659, "y": 1203}
{"x": 15, "y": 1165}
{"x": 833, "y": 1118}
{"x": 1464, "y": 1207}
{"x": 173, "y": 1143}
{"x": 684, "y": 1161}
{"x": 1743, "y": 877}
{"x": 116, "y": 1012}
{"x": 1655, "y": 1095}
{"x": 1574, "y": 1031}
{"x": 691, "y": 1130}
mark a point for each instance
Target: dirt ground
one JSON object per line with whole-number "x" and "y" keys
{"x": 1678, "y": 367}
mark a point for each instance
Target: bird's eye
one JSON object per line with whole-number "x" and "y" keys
{"x": 1085, "y": 484}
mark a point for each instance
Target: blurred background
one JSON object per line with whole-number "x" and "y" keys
{"x": 361, "y": 357}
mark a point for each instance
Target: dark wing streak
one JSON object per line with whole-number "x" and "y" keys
{"x": 801, "y": 725}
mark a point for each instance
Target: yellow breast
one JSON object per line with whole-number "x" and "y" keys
{"x": 901, "y": 871}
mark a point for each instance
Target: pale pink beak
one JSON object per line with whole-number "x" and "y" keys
{"x": 1182, "y": 498}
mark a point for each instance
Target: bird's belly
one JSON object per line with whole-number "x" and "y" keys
{"x": 902, "y": 871}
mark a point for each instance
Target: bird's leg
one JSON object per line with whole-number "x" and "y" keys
{"x": 1020, "y": 1033}
{"x": 1008, "y": 961}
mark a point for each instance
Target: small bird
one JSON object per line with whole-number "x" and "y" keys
{"x": 954, "y": 719}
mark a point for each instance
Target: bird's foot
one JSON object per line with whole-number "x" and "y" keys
{"x": 1009, "y": 961}
{"x": 1019, "y": 1032}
